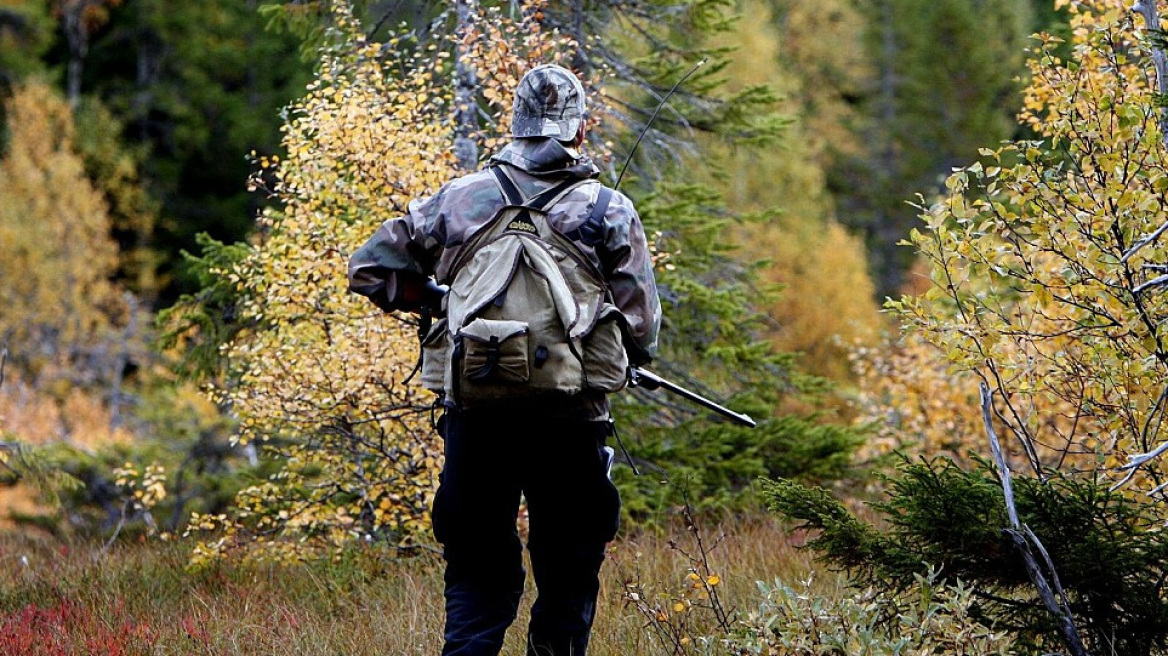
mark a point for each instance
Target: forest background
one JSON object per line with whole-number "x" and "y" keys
{"x": 191, "y": 406}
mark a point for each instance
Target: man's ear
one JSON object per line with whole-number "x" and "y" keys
{"x": 579, "y": 138}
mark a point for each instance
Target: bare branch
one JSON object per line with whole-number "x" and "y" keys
{"x": 999, "y": 457}
{"x": 1024, "y": 539}
{"x": 1066, "y": 624}
{"x": 1058, "y": 585}
{"x": 1155, "y": 282}
{"x": 1141, "y": 458}
{"x": 1143, "y": 241}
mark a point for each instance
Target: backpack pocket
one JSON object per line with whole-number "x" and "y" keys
{"x": 495, "y": 351}
{"x": 605, "y": 362}
{"x": 435, "y": 355}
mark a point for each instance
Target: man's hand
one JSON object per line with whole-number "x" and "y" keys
{"x": 411, "y": 292}
{"x": 418, "y": 293}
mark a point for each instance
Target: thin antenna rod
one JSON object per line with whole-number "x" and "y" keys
{"x": 653, "y": 118}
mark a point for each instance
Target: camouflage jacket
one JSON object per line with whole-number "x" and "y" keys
{"x": 425, "y": 242}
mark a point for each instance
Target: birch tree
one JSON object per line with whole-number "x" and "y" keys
{"x": 320, "y": 379}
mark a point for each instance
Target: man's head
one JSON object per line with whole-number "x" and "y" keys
{"x": 549, "y": 102}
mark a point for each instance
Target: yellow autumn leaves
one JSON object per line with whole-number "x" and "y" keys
{"x": 1034, "y": 280}
{"x": 323, "y": 381}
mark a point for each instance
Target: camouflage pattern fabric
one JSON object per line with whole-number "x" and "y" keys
{"x": 425, "y": 242}
{"x": 549, "y": 102}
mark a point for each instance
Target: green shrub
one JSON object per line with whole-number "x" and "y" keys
{"x": 1110, "y": 552}
{"x": 935, "y": 619}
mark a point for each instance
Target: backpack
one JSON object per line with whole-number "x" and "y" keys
{"x": 527, "y": 314}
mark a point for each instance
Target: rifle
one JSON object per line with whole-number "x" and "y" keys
{"x": 639, "y": 377}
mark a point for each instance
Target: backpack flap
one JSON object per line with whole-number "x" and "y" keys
{"x": 544, "y": 264}
{"x": 482, "y": 280}
{"x": 495, "y": 351}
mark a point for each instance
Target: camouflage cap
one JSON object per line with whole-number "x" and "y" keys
{"x": 548, "y": 103}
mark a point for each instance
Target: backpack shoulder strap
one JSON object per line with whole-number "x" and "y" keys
{"x": 539, "y": 202}
{"x": 591, "y": 231}
{"x": 508, "y": 187}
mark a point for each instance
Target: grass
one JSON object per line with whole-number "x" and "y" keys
{"x": 138, "y": 599}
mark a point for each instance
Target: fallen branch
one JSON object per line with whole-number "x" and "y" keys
{"x": 1026, "y": 541}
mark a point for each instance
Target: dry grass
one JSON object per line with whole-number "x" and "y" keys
{"x": 139, "y": 599}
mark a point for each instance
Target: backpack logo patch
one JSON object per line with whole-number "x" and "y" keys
{"x": 523, "y": 225}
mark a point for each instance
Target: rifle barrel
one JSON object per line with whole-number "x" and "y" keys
{"x": 652, "y": 381}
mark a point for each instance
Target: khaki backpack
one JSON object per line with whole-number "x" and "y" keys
{"x": 527, "y": 314}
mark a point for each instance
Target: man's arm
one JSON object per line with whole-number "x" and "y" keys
{"x": 393, "y": 267}
{"x": 629, "y": 268}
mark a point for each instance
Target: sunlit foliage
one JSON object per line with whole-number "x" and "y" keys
{"x": 826, "y": 303}
{"x": 323, "y": 379}
{"x": 1045, "y": 262}
{"x": 56, "y": 255}
{"x": 917, "y": 403}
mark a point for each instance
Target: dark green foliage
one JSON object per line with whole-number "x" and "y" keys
{"x": 945, "y": 82}
{"x": 199, "y": 324}
{"x": 1111, "y": 554}
{"x": 25, "y": 34}
{"x": 720, "y": 462}
{"x": 710, "y": 344}
{"x": 197, "y": 86}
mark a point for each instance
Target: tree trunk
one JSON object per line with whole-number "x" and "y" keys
{"x": 149, "y": 69}
{"x": 466, "y": 121}
{"x": 886, "y": 230}
{"x": 1151, "y": 14}
{"x": 77, "y": 37}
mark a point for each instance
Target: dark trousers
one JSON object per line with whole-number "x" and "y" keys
{"x": 560, "y": 468}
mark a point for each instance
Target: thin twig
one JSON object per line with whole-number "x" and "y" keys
{"x": 117, "y": 529}
{"x": 381, "y": 21}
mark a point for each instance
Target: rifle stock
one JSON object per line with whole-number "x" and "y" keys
{"x": 642, "y": 378}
